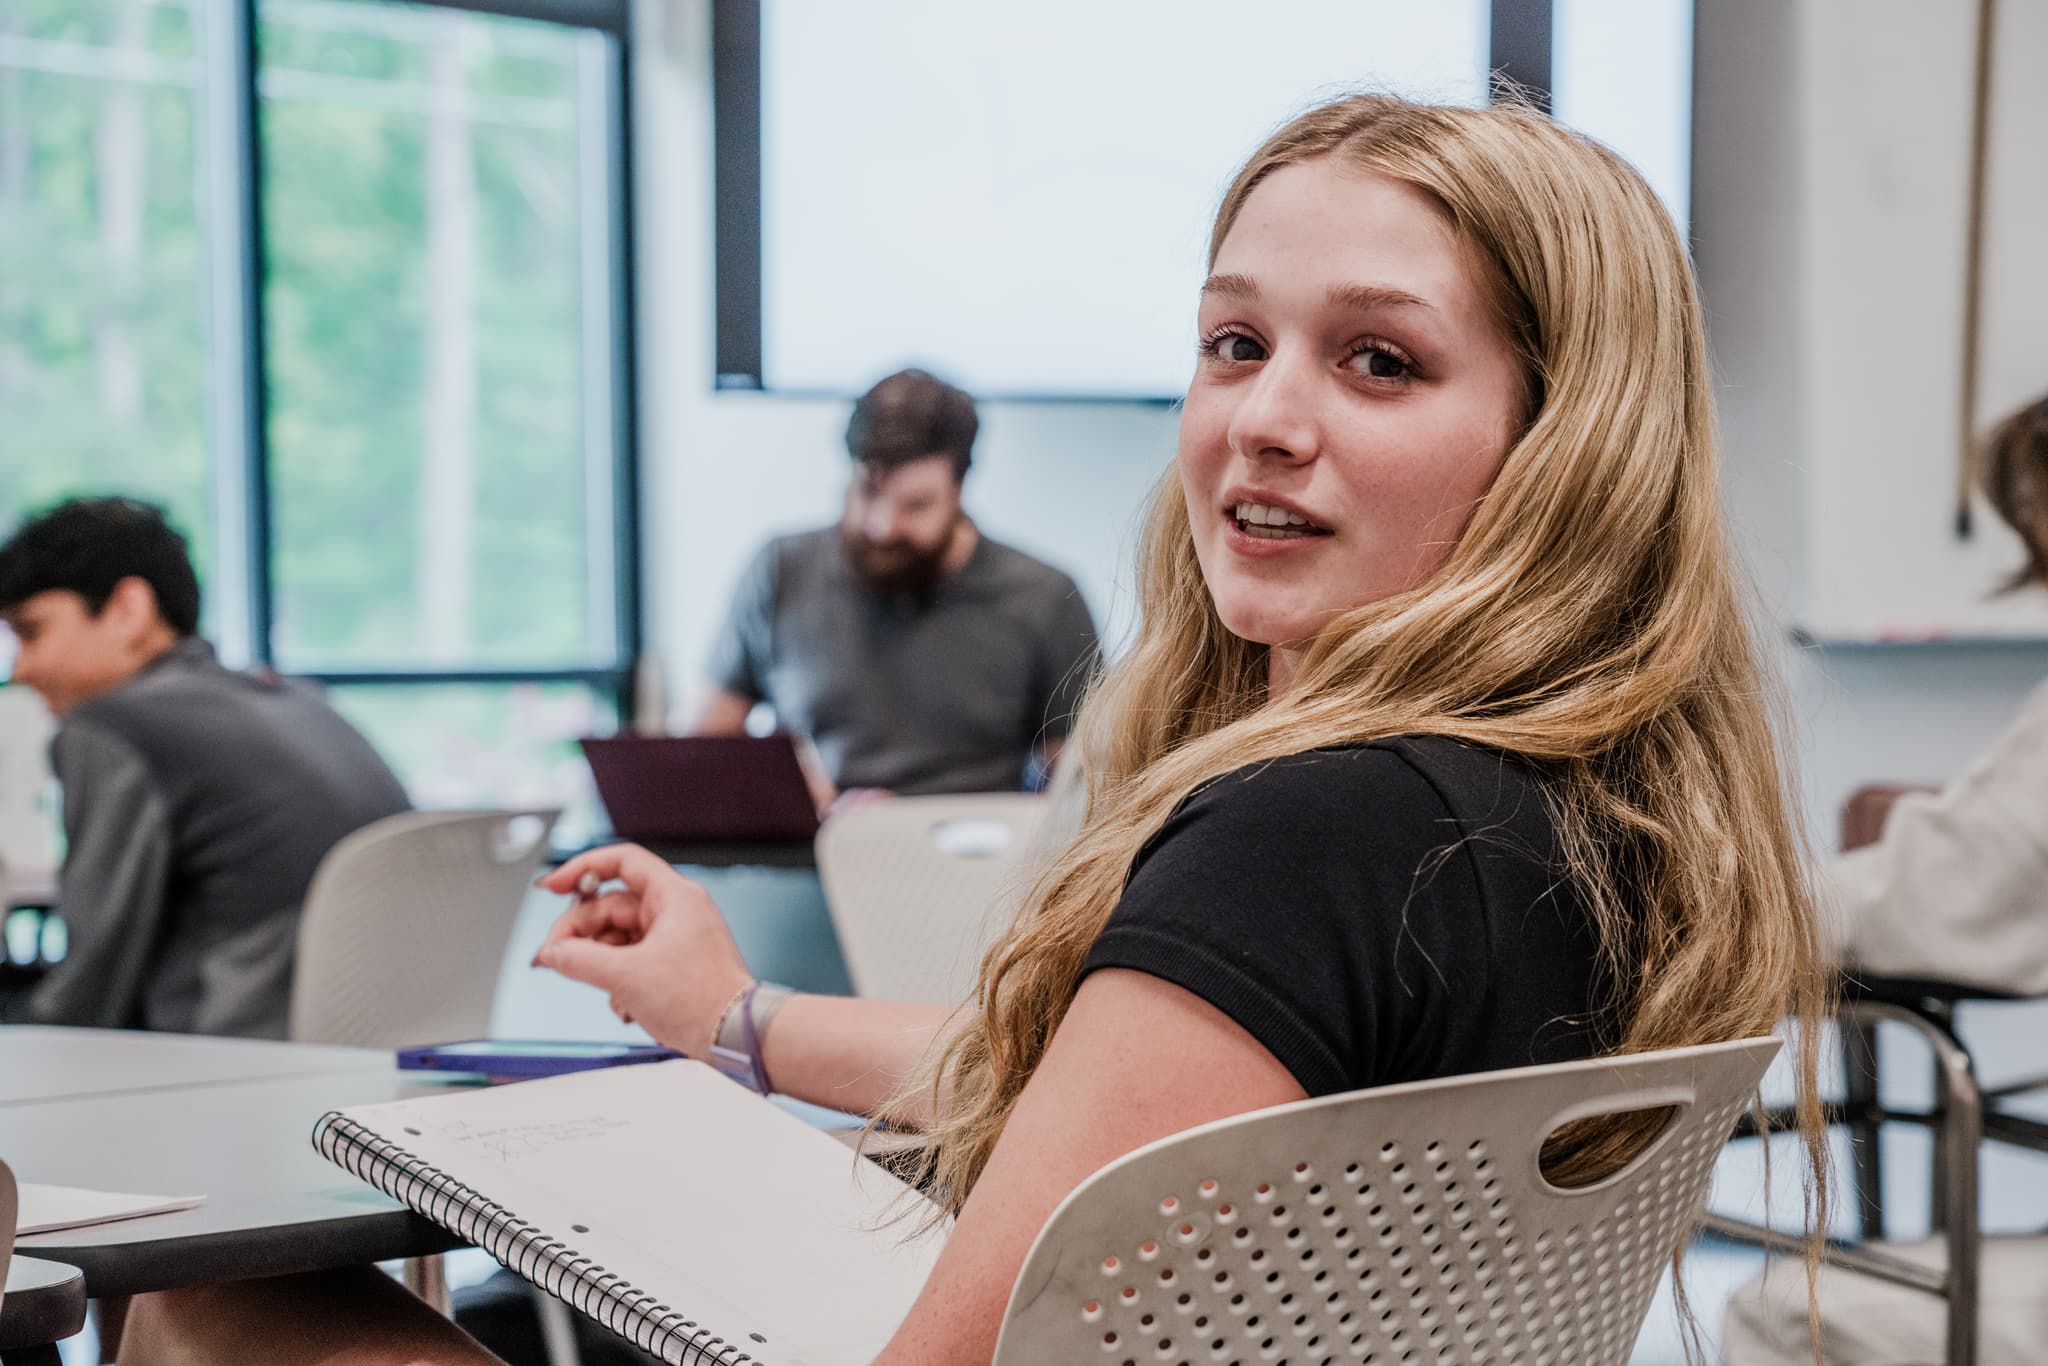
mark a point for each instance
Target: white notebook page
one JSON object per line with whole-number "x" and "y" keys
{"x": 764, "y": 1230}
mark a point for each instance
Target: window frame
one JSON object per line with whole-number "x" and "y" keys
{"x": 243, "y": 496}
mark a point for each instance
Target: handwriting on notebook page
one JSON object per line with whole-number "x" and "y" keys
{"x": 511, "y": 1143}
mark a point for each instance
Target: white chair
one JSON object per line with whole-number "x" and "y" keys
{"x": 1403, "y": 1224}
{"x": 28, "y": 823}
{"x": 9, "y": 1210}
{"x": 918, "y": 886}
{"x": 405, "y": 925}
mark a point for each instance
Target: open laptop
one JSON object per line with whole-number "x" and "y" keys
{"x": 681, "y": 789}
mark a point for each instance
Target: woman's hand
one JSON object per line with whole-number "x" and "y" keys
{"x": 657, "y": 946}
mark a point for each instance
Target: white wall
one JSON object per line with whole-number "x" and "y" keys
{"x": 1885, "y": 89}
{"x": 1790, "y": 97}
{"x": 723, "y": 471}
{"x": 1834, "y": 350}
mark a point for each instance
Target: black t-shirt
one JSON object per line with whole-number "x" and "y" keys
{"x": 1372, "y": 914}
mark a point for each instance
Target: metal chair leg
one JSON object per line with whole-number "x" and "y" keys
{"x": 1938, "y": 1214}
{"x": 1959, "y": 1123}
{"x": 1860, "y": 1099}
{"x": 557, "y": 1329}
{"x": 427, "y": 1277}
{"x": 1959, "y": 1138}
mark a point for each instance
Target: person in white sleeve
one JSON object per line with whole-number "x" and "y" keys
{"x": 1957, "y": 888}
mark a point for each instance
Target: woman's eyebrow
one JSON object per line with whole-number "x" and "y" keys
{"x": 1233, "y": 284}
{"x": 1364, "y": 298}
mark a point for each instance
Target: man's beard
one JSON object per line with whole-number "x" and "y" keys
{"x": 895, "y": 569}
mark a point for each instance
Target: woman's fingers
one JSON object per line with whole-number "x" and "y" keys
{"x": 586, "y": 919}
{"x": 585, "y": 960}
{"x": 627, "y": 863}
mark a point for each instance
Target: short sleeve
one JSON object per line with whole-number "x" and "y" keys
{"x": 1327, "y": 903}
{"x": 740, "y": 652}
{"x": 1071, "y": 654}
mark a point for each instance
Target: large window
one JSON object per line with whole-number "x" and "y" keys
{"x": 104, "y": 235}
{"x": 344, "y": 284}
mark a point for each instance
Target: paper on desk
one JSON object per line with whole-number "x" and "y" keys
{"x": 45, "y": 1209}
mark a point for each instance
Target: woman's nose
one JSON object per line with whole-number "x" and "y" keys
{"x": 1275, "y": 418}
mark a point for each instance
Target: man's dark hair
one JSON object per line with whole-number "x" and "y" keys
{"x": 2016, "y": 484}
{"x": 88, "y": 545}
{"x": 911, "y": 415}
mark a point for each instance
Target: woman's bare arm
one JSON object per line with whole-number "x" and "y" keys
{"x": 851, "y": 1054}
{"x": 1136, "y": 1059}
{"x": 658, "y": 947}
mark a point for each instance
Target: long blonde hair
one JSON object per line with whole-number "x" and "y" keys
{"x": 1589, "y": 620}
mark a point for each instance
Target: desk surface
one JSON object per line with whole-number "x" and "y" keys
{"x": 39, "y": 1063}
{"x": 44, "y": 1303}
{"x": 273, "y": 1205}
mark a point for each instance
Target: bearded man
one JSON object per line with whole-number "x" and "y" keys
{"x": 914, "y": 652}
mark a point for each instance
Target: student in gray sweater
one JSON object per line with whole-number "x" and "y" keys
{"x": 197, "y": 800}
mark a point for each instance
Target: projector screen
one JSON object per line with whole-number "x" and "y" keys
{"x": 1018, "y": 198}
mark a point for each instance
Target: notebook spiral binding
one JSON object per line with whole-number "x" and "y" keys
{"x": 549, "y": 1263}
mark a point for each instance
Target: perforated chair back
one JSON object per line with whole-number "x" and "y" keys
{"x": 918, "y": 886}
{"x": 9, "y": 1212}
{"x": 405, "y": 925}
{"x": 1403, "y": 1224}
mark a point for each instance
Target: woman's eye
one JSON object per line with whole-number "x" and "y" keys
{"x": 1235, "y": 346}
{"x": 1379, "y": 363}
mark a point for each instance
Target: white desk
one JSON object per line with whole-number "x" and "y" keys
{"x": 44, "y": 1304}
{"x": 43, "y": 1063}
{"x": 230, "y": 1119}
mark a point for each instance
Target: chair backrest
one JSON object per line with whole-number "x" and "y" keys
{"x": 1405, "y": 1223}
{"x": 403, "y": 934}
{"x": 28, "y": 823}
{"x": 1865, "y": 811}
{"x": 917, "y": 887}
{"x": 9, "y": 1210}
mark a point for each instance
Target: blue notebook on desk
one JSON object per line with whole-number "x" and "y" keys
{"x": 690, "y": 1216}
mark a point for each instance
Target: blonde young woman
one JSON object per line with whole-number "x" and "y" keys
{"x": 1442, "y": 747}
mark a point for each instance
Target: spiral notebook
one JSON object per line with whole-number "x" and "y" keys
{"x": 698, "y": 1221}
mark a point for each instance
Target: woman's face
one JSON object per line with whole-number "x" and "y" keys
{"x": 1352, "y": 400}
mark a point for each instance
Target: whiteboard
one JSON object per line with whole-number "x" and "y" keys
{"x": 1019, "y": 197}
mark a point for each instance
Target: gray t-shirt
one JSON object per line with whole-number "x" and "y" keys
{"x": 947, "y": 694}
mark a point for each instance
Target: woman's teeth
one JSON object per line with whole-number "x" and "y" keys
{"x": 1271, "y": 523}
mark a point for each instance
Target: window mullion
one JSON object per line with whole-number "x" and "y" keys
{"x": 243, "y": 487}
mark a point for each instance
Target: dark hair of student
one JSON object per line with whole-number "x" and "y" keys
{"x": 911, "y": 415}
{"x": 2016, "y": 483}
{"x": 88, "y": 545}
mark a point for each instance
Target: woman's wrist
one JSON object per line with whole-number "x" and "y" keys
{"x": 724, "y": 1019}
{"x": 740, "y": 1035}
